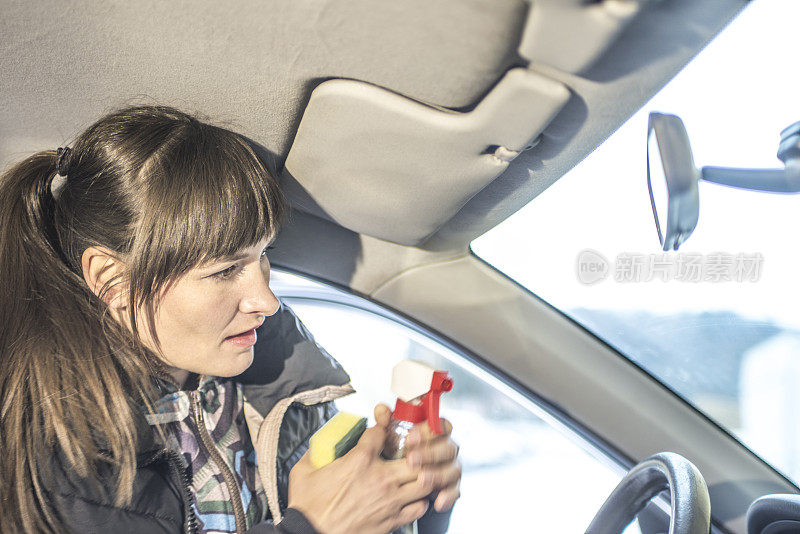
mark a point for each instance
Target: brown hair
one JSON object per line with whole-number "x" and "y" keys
{"x": 163, "y": 192}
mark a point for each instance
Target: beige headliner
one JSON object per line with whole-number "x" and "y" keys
{"x": 254, "y": 66}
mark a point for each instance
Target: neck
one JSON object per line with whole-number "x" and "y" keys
{"x": 180, "y": 376}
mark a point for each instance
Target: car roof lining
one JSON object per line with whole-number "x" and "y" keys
{"x": 255, "y": 68}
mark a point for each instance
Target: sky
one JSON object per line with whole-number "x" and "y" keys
{"x": 734, "y": 98}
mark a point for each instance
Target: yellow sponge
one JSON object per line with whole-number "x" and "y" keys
{"x": 335, "y": 438}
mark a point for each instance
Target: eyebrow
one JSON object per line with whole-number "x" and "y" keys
{"x": 237, "y": 257}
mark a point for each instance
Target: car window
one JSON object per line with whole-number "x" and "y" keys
{"x": 716, "y": 321}
{"x": 521, "y": 466}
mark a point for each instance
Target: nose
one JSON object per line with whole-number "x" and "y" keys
{"x": 259, "y": 298}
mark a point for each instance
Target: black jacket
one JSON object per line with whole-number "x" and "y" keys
{"x": 292, "y": 381}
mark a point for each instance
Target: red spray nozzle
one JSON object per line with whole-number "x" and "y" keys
{"x": 418, "y": 388}
{"x": 440, "y": 383}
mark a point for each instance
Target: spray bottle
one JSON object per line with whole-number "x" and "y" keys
{"x": 418, "y": 387}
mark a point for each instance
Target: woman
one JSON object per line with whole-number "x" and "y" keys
{"x": 149, "y": 379}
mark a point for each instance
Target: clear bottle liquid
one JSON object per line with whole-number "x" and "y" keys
{"x": 394, "y": 448}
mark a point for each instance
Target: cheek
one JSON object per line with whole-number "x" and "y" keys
{"x": 200, "y": 312}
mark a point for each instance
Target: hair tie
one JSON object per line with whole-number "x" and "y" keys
{"x": 62, "y": 164}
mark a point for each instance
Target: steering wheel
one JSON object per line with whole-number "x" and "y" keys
{"x": 691, "y": 506}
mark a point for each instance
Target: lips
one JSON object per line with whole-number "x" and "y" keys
{"x": 246, "y": 330}
{"x": 246, "y": 338}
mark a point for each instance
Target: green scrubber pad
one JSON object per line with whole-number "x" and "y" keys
{"x": 335, "y": 438}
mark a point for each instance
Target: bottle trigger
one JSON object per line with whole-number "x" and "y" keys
{"x": 440, "y": 383}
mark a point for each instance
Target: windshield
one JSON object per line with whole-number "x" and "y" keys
{"x": 715, "y": 321}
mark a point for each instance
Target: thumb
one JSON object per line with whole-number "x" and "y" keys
{"x": 383, "y": 414}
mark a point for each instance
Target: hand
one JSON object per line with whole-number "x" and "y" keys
{"x": 359, "y": 492}
{"x": 436, "y": 455}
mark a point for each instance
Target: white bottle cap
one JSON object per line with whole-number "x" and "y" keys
{"x": 411, "y": 379}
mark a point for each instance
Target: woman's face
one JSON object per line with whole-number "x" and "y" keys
{"x": 206, "y": 320}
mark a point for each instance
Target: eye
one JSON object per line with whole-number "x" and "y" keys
{"x": 226, "y": 274}
{"x": 264, "y": 252}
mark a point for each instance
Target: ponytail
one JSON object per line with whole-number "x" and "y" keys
{"x": 54, "y": 384}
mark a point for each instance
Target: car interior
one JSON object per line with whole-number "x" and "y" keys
{"x": 402, "y": 132}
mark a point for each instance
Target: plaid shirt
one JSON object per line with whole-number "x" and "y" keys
{"x": 222, "y": 405}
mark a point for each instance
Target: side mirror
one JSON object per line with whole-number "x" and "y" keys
{"x": 672, "y": 176}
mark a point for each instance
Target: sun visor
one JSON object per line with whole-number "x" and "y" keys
{"x": 571, "y": 34}
{"x": 390, "y": 167}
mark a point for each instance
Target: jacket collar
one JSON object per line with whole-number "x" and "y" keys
{"x": 286, "y": 361}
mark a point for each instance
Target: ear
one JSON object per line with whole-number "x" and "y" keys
{"x": 100, "y": 266}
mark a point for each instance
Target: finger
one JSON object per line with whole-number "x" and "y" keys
{"x": 400, "y": 472}
{"x": 422, "y": 433}
{"x": 409, "y": 513}
{"x": 442, "y": 450}
{"x": 447, "y": 427}
{"x": 414, "y": 491}
{"x": 441, "y": 477}
{"x": 446, "y": 499}
{"x": 383, "y": 414}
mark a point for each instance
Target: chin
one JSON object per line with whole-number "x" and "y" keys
{"x": 235, "y": 365}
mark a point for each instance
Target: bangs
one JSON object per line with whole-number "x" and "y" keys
{"x": 208, "y": 196}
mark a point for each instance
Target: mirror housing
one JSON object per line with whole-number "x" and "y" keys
{"x": 672, "y": 176}
{"x": 671, "y": 179}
